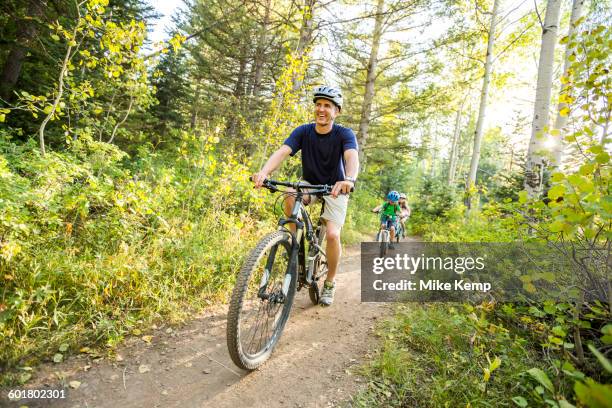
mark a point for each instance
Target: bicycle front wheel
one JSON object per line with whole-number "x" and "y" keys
{"x": 261, "y": 301}
{"x": 384, "y": 243}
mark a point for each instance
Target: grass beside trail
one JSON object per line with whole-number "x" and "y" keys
{"x": 445, "y": 356}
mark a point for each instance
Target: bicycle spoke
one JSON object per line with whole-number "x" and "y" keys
{"x": 254, "y": 331}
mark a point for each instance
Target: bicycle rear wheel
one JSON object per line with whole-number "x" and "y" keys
{"x": 261, "y": 301}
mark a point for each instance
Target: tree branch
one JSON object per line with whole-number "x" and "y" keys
{"x": 535, "y": 4}
{"x": 127, "y": 113}
{"x": 512, "y": 42}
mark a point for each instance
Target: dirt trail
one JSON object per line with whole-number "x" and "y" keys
{"x": 190, "y": 367}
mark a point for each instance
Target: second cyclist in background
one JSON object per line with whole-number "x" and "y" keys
{"x": 389, "y": 212}
{"x": 404, "y": 212}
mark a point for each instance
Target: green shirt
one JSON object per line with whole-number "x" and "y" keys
{"x": 390, "y": 210}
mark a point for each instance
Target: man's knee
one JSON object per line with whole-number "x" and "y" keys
{"x": 333, "y": 232}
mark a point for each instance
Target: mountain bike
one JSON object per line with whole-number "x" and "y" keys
{"x": 399, "y": 232}
{"x": 384, "y": 237}
{"x": 282, "y": 263}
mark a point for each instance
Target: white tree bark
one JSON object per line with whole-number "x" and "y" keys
{"x": 366, "y": 107}
{"x": 561, "y": 121}
{"x": 536, "y": 154}
{"x": 434, "y": 153}
{"x": 452, "y": 164}
{"x": 471, "y": 181}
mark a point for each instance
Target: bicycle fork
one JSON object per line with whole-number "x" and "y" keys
{"x": 293, "y": 261}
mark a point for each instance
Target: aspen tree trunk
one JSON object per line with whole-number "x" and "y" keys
{"x": 536, "y": 160}
{"x": 434, "y": 154}
{"x": 471, "y": 180}
{"x": 561, "y": 121}
{"x": 464, "y": 151}
{"x": 452, "y": 165}
{"x": 366, "y": 107}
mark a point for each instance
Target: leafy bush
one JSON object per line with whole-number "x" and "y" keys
{"x": 434, "y": 200}
{"x": 91, "y": 250}
{"x": 485, "y": 355}
{"x": 440, "y": 356}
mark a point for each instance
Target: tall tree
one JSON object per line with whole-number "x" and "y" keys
{"x": 536, "y": 157}
{"x": 307, "y": 29}
{"x": 452, "y": 165}
{"x": 26, "y": 35}
{"x": 366, "y": 106}
{"x": 254, "y": 86}
{"x": 471, "y": 180}
{"x": 561, "y": 120}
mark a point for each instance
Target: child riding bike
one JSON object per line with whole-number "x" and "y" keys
{"x": 389, "y": 212}
{"x": 405, "y": 212}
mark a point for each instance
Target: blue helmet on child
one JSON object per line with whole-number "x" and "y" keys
{"x": 393, "y": 196}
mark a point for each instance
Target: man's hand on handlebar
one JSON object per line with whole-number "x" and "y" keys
{"x": 342, "y": 187}
{"x": 258, "y": 179}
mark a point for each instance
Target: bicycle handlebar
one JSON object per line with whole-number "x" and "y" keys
{"x": 324, "y": 189}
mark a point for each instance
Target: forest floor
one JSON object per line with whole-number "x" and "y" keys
{"x": 314, "y": 365}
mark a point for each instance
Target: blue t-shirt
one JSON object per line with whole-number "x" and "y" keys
{"x": 322, "y": 155}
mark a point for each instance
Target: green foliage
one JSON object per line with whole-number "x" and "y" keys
{"x": 172, "y": 91}
{"x": 491, "y": 224}
{"x": 565, "y": 364}
{"x": 91, "y": 250}
{"x": 440, "y": 356}
{"x": 434, "y": 199}
{"x": 103, "y": 76}
{"x": 579, "y": 198}
{"x": 485, "y": 355}
{"x": 360, "y": 221}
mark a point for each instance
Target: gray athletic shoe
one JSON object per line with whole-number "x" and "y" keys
{"x": 327, "y": 296}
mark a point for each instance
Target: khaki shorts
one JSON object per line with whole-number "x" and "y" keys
{"x": 335, "y": 208}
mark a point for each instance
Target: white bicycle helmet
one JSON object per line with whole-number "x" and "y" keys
{"x": 329, "y": 93}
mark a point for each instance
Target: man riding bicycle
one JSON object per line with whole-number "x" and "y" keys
{"x": 329, "y": 156}
{"x": 390, "y": 210}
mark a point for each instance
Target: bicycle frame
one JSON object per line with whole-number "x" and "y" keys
{"x": 303, "y": 229}
{"x": 386, "y": 230}
{"x": 387, "y": 234}
{"x": 399, "y": 230}
{"x": 298, "y": 250}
